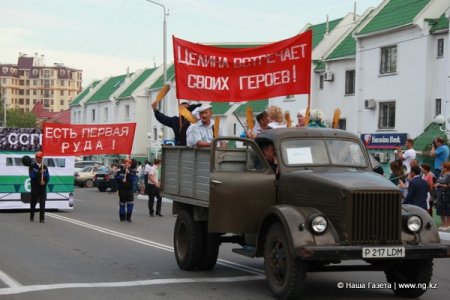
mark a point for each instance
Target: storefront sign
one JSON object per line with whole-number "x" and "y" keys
{"x": 383, "y": 140}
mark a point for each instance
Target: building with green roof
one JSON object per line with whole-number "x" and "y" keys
{"x": 394, "y": 14}
{"x": 136, "y": 83}
{"x": 320, "y": 30}
{"x": 105, "y": 92}
{"x": 257, "y": 106}
{"x": 440, "y": 24}
{"x": 160, "y": 81}
{"x": 220, "y": 108}
{"x": 79, "y": 99}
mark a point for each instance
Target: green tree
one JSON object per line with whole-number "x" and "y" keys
{"x": 19, "y": 119}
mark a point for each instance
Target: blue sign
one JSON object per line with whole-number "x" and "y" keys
{"x": 383, "y": 140}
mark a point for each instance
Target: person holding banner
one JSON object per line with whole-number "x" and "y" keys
{"x": 179, "y": 124}
{"x": 125, "y": 178}
{"x": 39, "y": 178}
{"x": 201, "y": 133}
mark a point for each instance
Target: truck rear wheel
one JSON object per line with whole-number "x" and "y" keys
{"x": 285, "y": 273}
{"x": 413, "y": 272}
{"x": 210, "y": 249}
{"x": 187, "y": 240}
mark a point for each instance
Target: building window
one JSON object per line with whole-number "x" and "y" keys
{"x": 105, "y": 117}
{"x": 127, "y": 112}
{"x": 290, "y": 98}
{"x": 350, "y": 82}
{"x": 440, "y": 47}
{"x": 388, "y": 60}
{"x": 386, "y": 118}
{"x": 438, "y": 107}
{"x": 61, "y": 102}
{"x": 155, "y": 134}
{"x": 343, "y": 124}
{"x": 321, "y": 82}
{"x": 93, "y": 115}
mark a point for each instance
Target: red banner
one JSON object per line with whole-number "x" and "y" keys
{"x": 87, "y": 139}
{"x": 239, "y": 74}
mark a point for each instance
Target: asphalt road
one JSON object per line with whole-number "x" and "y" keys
{"x": 86, "y": 253}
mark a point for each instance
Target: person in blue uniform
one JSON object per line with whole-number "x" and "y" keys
{"x": 125, "y": 177}
{"x": 39, "y": 178}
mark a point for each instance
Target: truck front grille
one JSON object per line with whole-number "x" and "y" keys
{"x": 376, "y": 218}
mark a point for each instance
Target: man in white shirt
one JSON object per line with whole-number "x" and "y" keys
{"x": 408, "y": 155}
{"x": 201, "y": 133}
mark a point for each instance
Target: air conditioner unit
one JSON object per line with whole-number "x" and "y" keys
{"x": 370, "y": 104}
{"x": 328, "y": 76}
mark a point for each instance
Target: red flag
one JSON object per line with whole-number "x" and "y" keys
{"x": 237, "y": 74}
{"x": 87, "y": 139}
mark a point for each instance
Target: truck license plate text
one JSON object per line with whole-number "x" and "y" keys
{"x": 383, "y": 252}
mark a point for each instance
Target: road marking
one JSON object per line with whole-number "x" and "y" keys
{"x": 33, "y": 288}
{"x": 16, "y": 288}
{"x": 145, "y": 242}
{"x": 8, "y": 280}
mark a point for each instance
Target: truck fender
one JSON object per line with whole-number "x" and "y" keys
{"x": 295, "y": 221}
{"x": 429, "y": 232}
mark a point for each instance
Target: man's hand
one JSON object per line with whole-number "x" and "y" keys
{"x": 154, "y": 105}
{"x": 250, "y": 134}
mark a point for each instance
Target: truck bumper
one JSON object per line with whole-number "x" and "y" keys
{"x": 356, "y": 252}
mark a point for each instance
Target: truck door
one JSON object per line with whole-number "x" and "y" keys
{"x": 242, "y": 186}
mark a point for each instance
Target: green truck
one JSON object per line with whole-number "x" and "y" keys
{"x": 322, "y": 206}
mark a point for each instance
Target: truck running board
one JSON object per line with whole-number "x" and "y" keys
{"x": 246, "y": 251}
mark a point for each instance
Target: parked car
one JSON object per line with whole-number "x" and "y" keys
{"x": 80, "y": 165}
{"x": 85, "y": 177}
{"x": 104, "y": 181}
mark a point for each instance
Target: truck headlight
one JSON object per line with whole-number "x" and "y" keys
{"x": 414, "y": 223}
{"x": 319, "y": 224}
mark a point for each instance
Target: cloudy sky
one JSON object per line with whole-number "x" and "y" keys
{"x": 105, "y": 37}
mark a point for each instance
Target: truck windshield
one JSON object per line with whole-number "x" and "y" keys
{"x": 323, "y": 152}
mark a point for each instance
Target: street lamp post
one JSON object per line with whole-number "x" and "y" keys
{"x": 164, "y": 52}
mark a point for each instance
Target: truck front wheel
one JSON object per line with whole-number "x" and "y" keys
{"x": 187, "y": 240}
{"x": 285, "y": 273}
{"x": 404, "y": 274}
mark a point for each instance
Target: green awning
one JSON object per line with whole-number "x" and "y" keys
{"x": 257, "y": 106}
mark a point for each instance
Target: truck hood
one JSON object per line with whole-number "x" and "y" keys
{"x": 341, "y": 178}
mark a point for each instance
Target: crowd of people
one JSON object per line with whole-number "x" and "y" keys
{"x": 421, "y": 185}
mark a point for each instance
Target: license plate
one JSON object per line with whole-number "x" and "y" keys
{"x": 383, "y": 252}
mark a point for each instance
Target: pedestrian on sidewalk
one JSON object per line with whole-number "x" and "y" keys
{"x": 153, "y": 188}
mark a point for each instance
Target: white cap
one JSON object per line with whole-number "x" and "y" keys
{"x": 196, "y": 113}
{"x": 203, "y": 108}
